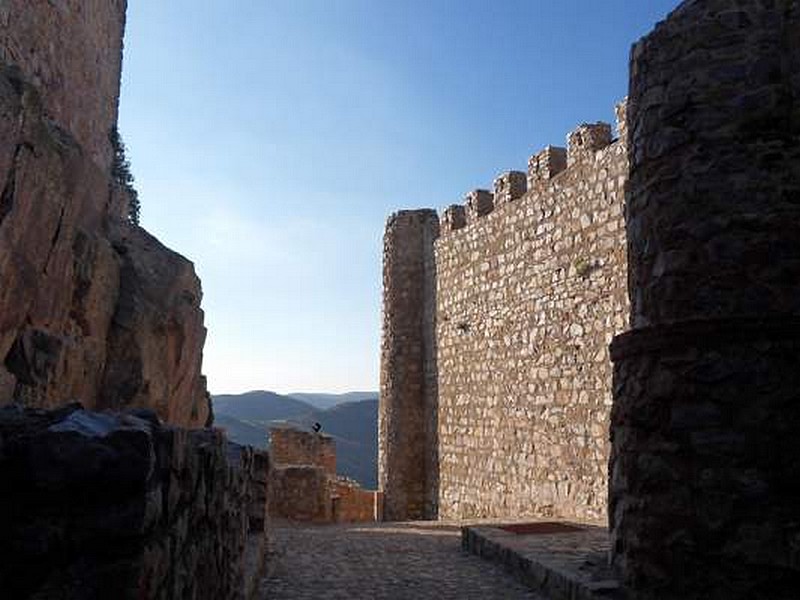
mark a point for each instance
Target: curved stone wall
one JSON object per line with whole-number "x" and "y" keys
{"x": 702, "y": 500}
{"x": 712, "y": 210}
{"x": 407, "y": 458}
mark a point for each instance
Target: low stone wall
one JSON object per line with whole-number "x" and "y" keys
{"x": 101, "y": 505}
{"x": 305, "y": 487}
{"x": 352, "y": 504}
{"x": 296, "y": 447}
{"x": 300, "y": 493}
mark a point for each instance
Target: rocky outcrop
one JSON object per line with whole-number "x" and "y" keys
{"x": 155, "y": 342}
{"x": 71, "y": 50}
{"x": 91, "y": 308}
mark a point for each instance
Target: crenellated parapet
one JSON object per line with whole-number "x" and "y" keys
{"x": 479, "y": 203}
{"x": 454, "y": 217}
{"x": 487, "y": 312}
{"x": 583, "y": 144}
{"x": 510, "y": 186}
{"x": 587, "y": 139}
{"x": 545, "y": 165}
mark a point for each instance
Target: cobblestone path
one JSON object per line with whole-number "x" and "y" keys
{"x": 391, "y": 561}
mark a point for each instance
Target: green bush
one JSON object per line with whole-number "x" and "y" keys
{"x": 121, "y": 172}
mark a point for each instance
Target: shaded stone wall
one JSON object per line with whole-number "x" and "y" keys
{"x": 407, "y": 448}
{"x": 300, "y": 493}
{"x": 530, "y": 290}
{"x": 71, "y": 50}
{"x": 116, "y": 505}
{"x": 703, "y": 501}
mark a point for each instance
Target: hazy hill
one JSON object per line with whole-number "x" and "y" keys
{"x": 325, "y": 401}
{"x": 354, "y": 426}
{"x": 242, "y": 432}
{"x": 260, "y": 406}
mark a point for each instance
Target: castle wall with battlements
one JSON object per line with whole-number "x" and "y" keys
{"x": 530, "y": 287}
{"x": 530, "y": 291}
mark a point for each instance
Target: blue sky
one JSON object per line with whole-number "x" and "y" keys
{"x": 270, "y": 139}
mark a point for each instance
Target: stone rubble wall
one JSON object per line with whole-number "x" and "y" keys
{"x": 300, "y": 493}
{"x": 407, "y": 429}
{"x": 703, "y": 501}
{"x": 529, "y": 294}
{"x": 290, "y": 446}
{"x": 117, "y": 505}
{"x": 352, "y": 504}
{"x": 71, "y": 50}
{"x": 305, "y": 486}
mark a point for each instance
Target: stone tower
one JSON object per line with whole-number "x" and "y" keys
{"x": 703, "y": 498}
{"x": 407, "y": 418}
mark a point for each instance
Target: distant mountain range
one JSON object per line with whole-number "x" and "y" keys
{"x": 325, "y": 401}
{"x": 352, "y": 420}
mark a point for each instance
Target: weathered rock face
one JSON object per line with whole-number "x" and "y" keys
{"x": 155, "y": 342}
{"x": 71, "y": 51}
{"x": 104, "y": 505}
{"x": 91, "y": 308}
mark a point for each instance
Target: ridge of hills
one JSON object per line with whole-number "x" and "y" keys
{"x": 352, "y": 423}
{"x": 324, "y": 401}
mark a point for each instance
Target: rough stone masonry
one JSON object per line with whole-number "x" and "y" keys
{"x": 495, "y": 400}
{"x": 704, "y": 501}
{"x": 101, "y": 505}
{"x": 530, "y": 287}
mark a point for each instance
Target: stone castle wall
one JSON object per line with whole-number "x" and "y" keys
{"x": 530, "y": 287}
{"x": 407, "y": 459}
{"x": 352, "y": 504}
{"x": 530, "y": 290}
{"x": 290, "y": 446}
{"x": 305, "y": 486}
{"x": 702, "y": 496}
{"x": 300, "y": 493}
{"x": 62, "y": 48}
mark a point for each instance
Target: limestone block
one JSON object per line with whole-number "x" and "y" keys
{"x": 478, "y": 203}
{"x": 454, "y": 217}
{"x": 546, "y": 164}
{"x": 509, "y": 186}
{"x": 586, "y": 140}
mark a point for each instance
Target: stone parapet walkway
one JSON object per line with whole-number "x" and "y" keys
{"x": 564, "y": 565}
{"x": 391, "y": 561}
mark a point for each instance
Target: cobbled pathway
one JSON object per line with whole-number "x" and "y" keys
{"x": 396, "y": 561}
